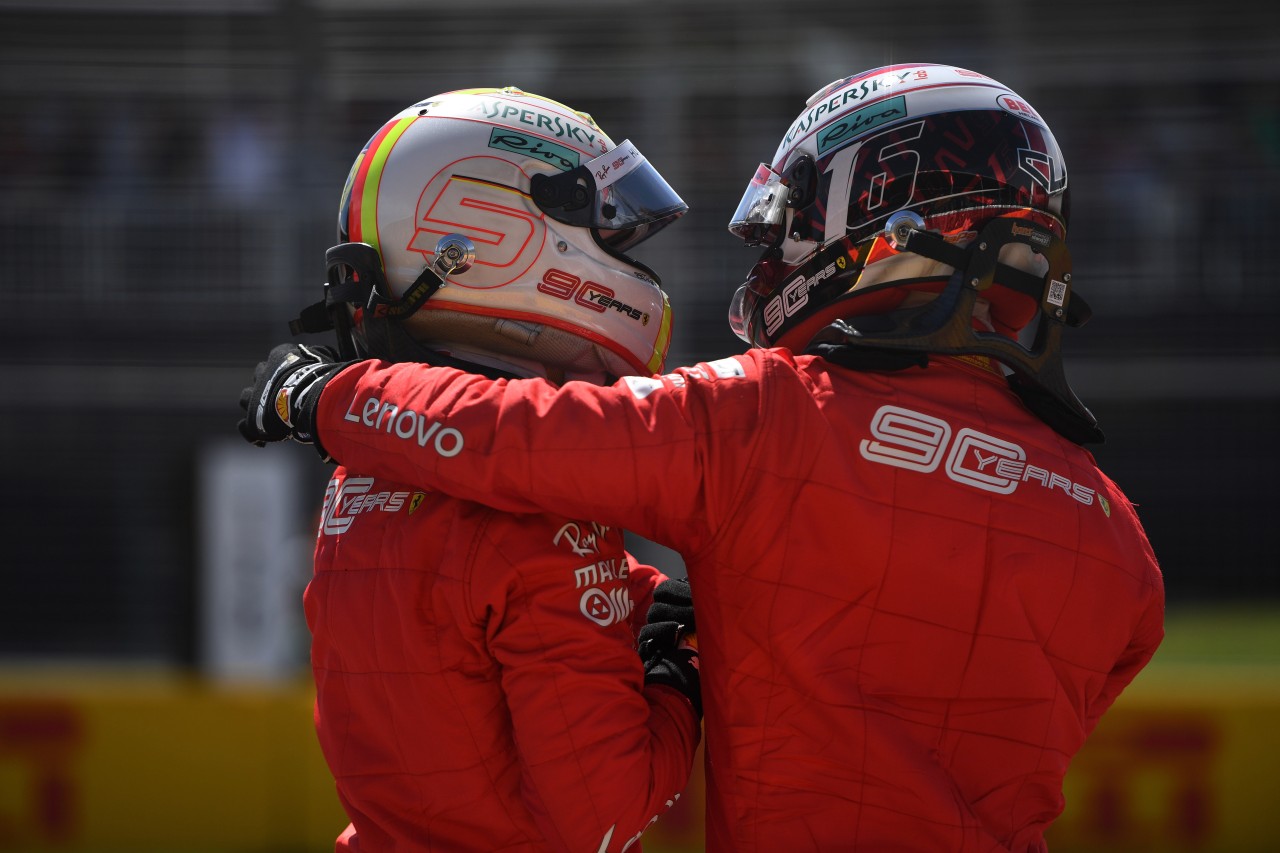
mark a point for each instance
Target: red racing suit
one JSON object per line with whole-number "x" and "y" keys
{"x": 914, "y": 599}
{"x": 477, "y": 684}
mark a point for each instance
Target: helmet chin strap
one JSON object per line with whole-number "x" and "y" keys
{"x": 357, "y": 278}
{"x": 944, "y": 326}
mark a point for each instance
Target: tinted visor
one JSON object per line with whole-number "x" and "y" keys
{"x": 740, "y": 310}
{"x": 762, "y": 212}
{"x": 761, "y": 282}
{"x": 619, "y": 194}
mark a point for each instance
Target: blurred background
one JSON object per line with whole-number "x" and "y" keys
{"x": 169, "y": 182}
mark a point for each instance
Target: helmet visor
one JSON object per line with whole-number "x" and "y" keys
{"x": 761, "y": 214}
{"x": 761, "y": 283}
{"x": 740, "y": 309}
{"x": 619, "y": 193}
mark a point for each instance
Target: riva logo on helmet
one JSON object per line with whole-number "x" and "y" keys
{"x": 588, "y": 294}
{"x": 847, "y": 128}
{"x": 917, "y": 442}
{"x": 862, "y": 91}
{"x": 562, "y": 158}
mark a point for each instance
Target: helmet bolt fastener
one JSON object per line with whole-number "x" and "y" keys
{"x": 900, "y": 226}
{"x": 454, "y": 254}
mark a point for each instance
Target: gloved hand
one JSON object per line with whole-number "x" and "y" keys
{"x": 673, "y": 602}
{"x": 281, "y": 402}
{"x": 669, "y": 660}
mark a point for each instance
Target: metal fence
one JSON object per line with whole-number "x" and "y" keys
{"x": 169, "y": 174}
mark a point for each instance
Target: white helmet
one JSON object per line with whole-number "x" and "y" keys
{"x": 495, "y": 221}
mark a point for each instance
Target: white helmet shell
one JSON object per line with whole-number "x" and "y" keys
{"x": 545, "y": 285}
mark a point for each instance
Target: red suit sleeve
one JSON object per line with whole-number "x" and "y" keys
{"x": 643, "y": 580}
{"x": 1147, "y": 635}
{"x": 659, "y": 456}
{"x": 602, "y": 754}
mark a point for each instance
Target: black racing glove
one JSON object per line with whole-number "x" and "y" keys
{"x": 668, "y": 659}
{"x": 672, "y": 602}
{"x": 281, "y": 402}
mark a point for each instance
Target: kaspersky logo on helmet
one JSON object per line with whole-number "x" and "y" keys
{"x": 516, "y": 109}
{"x": 924, "y": 87}
{"x": 539, "y": 121}
{"x": 838, "y": 101}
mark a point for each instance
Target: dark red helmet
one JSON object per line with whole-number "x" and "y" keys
{"x": 952, "y": 146}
